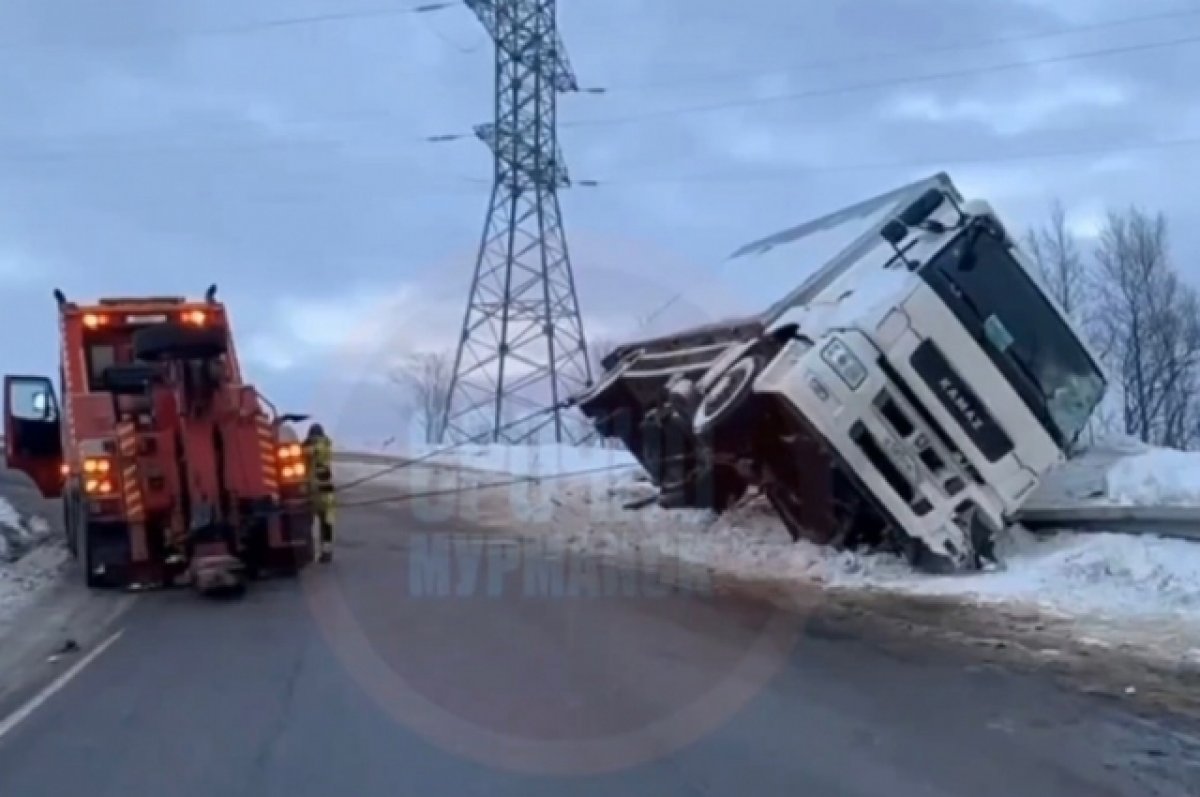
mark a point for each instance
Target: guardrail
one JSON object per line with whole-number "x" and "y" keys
{"x": 357, "y": 456}
{"x": 1181, "y": 522}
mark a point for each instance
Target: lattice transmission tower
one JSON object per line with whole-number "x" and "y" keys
{"x": 522, "y": 348}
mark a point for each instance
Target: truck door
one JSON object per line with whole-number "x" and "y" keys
{"x": 32, "y": 432}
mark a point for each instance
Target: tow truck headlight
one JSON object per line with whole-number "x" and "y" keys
{"x": 845, "y": 364}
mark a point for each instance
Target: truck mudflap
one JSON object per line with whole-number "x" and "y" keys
{"x": 277, "y": 534}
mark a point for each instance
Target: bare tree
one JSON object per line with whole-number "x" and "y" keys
{"x": 425, "y": 379}
{"x": 1057, "y": 256}
{"x": 1147, "y": 326}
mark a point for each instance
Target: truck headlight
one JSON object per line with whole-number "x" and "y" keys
{"x": 845, "y": 364}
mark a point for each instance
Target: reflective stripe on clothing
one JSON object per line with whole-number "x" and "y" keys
{"x": 319, "y": 452}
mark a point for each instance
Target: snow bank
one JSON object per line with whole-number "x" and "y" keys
{"x": 29, "y": 562}
{"x": 1089, "y": 576}
{"x": 19, "y": 534}
{"x": 1123, "y": 472}
{"x": 1161, "y": 477}
{"x": 1110, "y": 575}
{"x": 1110, "y": 587}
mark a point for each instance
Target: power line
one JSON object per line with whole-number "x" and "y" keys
{"x": 855, "y": 87}
{"x": 272, "y": 24}
{"x": 927, "y": 162}
{"x": 618, "y": 181}
{"x": 319, "y": 19}
{"x": 14, "y": 149}
{"x": 867, "y": 58}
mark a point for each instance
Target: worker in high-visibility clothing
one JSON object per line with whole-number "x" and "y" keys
{"x": 318, "y": 450}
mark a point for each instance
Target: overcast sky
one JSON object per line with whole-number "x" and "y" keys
{"x": 148, "y": 146}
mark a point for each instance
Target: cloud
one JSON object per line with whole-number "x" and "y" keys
{"x": 290, "y": 166}
{"x": 364, "y": 323}
{"x": 1010, "y": 115}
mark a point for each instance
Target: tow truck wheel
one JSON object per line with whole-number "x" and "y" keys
{"x": 70, "y": 512}
{"x": 723, "y": 402}
{"x": 90, "y": 579}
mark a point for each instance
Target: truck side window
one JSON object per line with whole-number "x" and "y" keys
{"x": 31, "y": 402}
{"x": 99, "y": 357}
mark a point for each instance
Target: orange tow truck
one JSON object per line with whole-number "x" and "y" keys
{"x": 170, "y": 467}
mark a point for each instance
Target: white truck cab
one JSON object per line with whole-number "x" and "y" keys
{"x": 936, "y": 368}
{"x": 921, "y": 360}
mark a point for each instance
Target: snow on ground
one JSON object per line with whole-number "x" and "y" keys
{"x": 1123, "y": 472}
{"x": 29, "y": 560}
{"x": 1107, "y": 586}
{"x": 1156, "y": 478}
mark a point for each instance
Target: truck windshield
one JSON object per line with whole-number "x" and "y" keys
{"x": 1023, "y": 334}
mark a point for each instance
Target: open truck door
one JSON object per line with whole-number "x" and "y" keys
{"x": 32, "y": 432}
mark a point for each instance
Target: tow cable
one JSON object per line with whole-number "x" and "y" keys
{"x": 405, "y": 463}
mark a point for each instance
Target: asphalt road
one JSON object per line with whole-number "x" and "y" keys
{"x": 386, "y": 673}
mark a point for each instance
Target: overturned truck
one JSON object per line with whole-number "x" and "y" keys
{"x": 910, "y": 393}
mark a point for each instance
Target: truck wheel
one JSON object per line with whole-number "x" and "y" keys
{"x": 69, "y": 532}
{"x": 90, "y": 579}
{"x": 725, "y": 399}
{"x": 179, "y": 342}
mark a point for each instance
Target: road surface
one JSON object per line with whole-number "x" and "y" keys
{"x": 387, "y": 673}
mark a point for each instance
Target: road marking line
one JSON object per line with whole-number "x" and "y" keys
{"x": 20, "y": 715}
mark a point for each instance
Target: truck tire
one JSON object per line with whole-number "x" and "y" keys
{"x": 90, "y": 579}
{"x": 721, "y": 405}
{"x": 69, "y": 535}
{"x": 179, "y": 342}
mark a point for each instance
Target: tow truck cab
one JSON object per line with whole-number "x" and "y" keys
{"x": 156, "y": 442}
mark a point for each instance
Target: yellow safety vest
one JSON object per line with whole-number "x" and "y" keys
{"x": 320, "y": 464}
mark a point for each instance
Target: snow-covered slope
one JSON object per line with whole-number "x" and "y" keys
{"x": 30, "y": 560}
{"x": 1107, "y": 586}
{"x": 1123, "y": 472}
